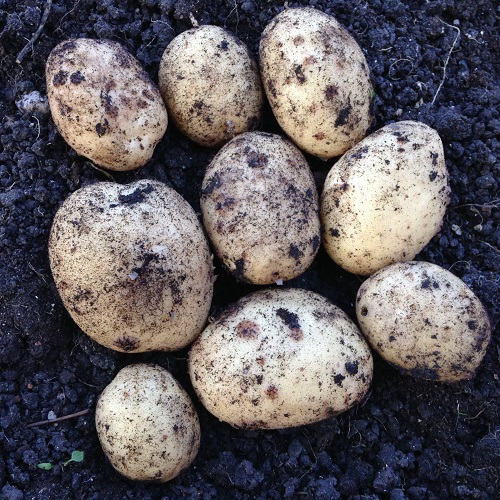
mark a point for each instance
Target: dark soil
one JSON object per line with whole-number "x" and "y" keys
{"x": 411, "y": 438}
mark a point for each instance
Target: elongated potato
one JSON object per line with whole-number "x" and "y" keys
{"x": 385, "y": 199}
{"x": 104, "y": 104}
{"x": 211, "y": 85}
{"x": 317, "y": 81}
{"x": 424, "y": 320}
{"x": 280, "y": 358}
{"x": 132, "y": 265}
{"x": 260, "y": 208}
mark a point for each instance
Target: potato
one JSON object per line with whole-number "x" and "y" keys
{"x": 147, "y": 424}
{"x": 280, "y": 358}
{"x": 424, "y": 320}
{"x": 385, "y": 199}
{"x": 211, "y": 85}
{"x": 260, "y": 208}
{"x": 132, "y": 265}
{"x": 104, "y": 104}
{"x": 317, "y": 81}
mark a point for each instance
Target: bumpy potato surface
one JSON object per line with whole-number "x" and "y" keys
{"x": 132, "y": 265}
{"x": 424, "y": 320}
{"x": 260, "y": 208}
{"x": 280, "y": 358}
{"x": 211, "y": 85}
{"x": 147, "y": 425}
{"x": 104, "y": 104}
{"x": 317, "y": 81}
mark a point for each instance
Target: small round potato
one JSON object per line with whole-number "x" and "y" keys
{"x": 385, "y": 199}
{"x": 147, "y": 424}
{"x": 211, "y": 85}
{"x": 317, "y": 81}
{"x": 260, "y": 208}
{"x": 280, "y": 358}
{"x": 132, "y": 265}
{"x": 424, "y": 320}
{"x": 104, "y": 104}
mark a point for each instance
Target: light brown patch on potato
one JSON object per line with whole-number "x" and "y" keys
{"x": 247, "y": 329}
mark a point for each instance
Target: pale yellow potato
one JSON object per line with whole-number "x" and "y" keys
{"x": 103, "y": 103}
{"x": 132, "y": 265}
{"x": 280, "y": 358}
{"x": 385, "y": 199}
{"x": 424, "y": 320}
{"x": 147, "y": 425}
{"x": 211, "y": 85}
{"x": 260, "y": 208}
{"x": 317, "y": 81}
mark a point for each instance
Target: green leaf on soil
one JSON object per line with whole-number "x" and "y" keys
{"x": 45, "y": 466}
{"x": 76, "y": 456}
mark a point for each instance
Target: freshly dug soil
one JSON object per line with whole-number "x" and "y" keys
{"x": 434, "y": 61}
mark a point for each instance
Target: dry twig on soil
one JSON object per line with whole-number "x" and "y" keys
{"x": 447, "y": 59}
{"x": 35, "y": 36}
{"x": 59, "y": 419}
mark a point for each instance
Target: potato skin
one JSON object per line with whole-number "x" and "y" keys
{"x": 103, "y": 103}
{"x": 317, "y": 81}
{"x": 280, "y": 358}
{"x": 424, "y": 320}
{"x": 211, "y": 85}
{"x": 147, "y": 425}
{"x": 260, "y": 208}
{"x": 385, "y": 199}
{"x": 132, "y": 265}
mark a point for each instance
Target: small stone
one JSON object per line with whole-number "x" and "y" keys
{"x": 33, "y": 102}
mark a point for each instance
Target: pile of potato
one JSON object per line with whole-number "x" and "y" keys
{"x": 133, "y": 264}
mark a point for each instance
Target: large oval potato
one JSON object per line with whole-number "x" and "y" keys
{"x": 280, "y": 358}
{"x": 317, "y": 81}
{"x": 424, "y": 320}
{"x": 211, "y": 85}
{"x": 260, "y": 208}
{"x": 104, "y": 104}
{"x": 132, "y": 265}
{"x": 385, "y": 199}
{"x": 147, "y": 425}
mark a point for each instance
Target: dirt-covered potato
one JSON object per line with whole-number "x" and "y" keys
{"x": 385, "y": 199}
{"x": 211, "y": 85}
{"x": 132, "y": 265}
{"x": 280, "y": 358}
{"x": 104, "y": 104}
{"x": 424, "y": 320}
{"x": 260, "y": 208}
{"x": 317, "y": 81}
{"x": 147, "y": 424}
